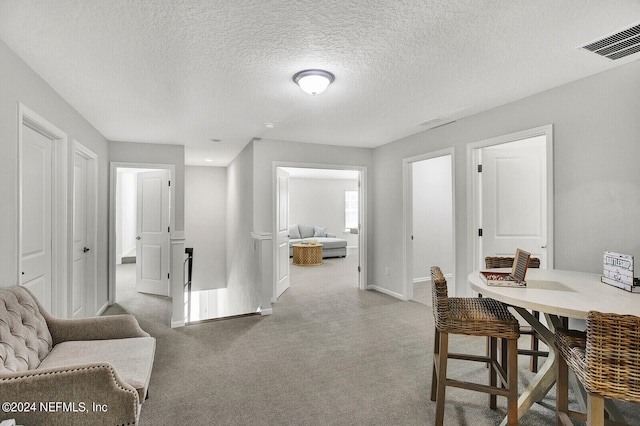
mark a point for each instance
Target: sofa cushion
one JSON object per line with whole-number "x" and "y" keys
{"x": 307, "y": 231}
{"x": 294, "y": 232}
{"x": 132, "y": 358}
{"x": 25, "y": 339}
{"x": 319, "y": 231}
{"x": 332, "y": 243}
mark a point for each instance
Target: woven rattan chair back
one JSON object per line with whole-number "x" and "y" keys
{"x": 612, "y": 356}
{"x": 605, "y": 359}
{"x": 439, "y": 298}
{"x": 493, "y": 262}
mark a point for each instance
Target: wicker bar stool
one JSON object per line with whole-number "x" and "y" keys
{"x": 606, "y": 360}
{"x": 493, "y": 262}
{"x": 475, "y": 317}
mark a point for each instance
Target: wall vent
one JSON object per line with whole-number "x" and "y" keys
{"x": 618, "y": 45}
{"x": 436, "y": 122}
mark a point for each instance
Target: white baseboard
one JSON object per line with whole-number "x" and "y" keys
{"x": 176, "y": 324}
{"x": 385, "y": 291}
{"x": 267, "y": 311}
{"x": 428, "y": 279}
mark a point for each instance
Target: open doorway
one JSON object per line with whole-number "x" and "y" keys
{"x": 324, "y": 205}
{"x": 140, "y": 228}
{"x": 429, "y": 222}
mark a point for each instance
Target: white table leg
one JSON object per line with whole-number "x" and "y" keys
{"x": 545, "y": 378}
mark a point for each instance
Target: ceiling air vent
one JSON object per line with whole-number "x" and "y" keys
{"x": 436, "y": 122}
{"x": 623, "y": 43}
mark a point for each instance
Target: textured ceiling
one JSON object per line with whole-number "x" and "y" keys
{"x": 187, "y": 71}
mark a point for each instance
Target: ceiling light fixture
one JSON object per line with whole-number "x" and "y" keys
{"x": 313, "y": 81}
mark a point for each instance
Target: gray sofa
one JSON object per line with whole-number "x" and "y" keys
{"x": 331, "y": 246}
{"x": 84, "y": 371}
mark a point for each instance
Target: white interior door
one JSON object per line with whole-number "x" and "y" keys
{"x": 80, "y": 249}
{"x": 152, "y": 224}
{"x": 514, "y": 199}
{"x": 282, "y": 225}
{"x": 36, "y": 253}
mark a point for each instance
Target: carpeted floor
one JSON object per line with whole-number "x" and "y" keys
{"x": 329, "y": 355}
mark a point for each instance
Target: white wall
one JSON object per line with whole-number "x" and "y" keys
{"x": 130, "y": 152}
{"x": 596, "y": 173}
{"x": 432, "y": 217}
{"x": 205, "y": 230}
{"x": 243, "y": 280}
{"x": 19, "y": 83}
{"x": 126, "y": 195}
{"x": 267, "y": 152}
{"x": 321, "y": 202}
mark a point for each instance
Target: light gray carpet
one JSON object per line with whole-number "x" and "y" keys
{"x": 329, "y": 355}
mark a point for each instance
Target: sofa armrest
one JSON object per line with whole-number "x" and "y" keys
{"x": 94, "y": 328}
{"x": 81, "y": 395}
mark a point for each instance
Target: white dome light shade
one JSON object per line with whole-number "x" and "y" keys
{"x": 313, "y": 81}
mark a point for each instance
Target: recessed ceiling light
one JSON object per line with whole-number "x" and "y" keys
{"x": 313, "y": 82}
{"x": 215, "y": 140}
{"x": 208, "y": 160}
{"x": 269, "y": 125}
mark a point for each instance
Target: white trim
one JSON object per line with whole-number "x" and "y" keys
{"x": 177, "y": 323}
{"x": 407, "y": 226}
{"x": 113, "y": 178}
{"x": 262, "y": 243}
{"x": 177, "y": 280}
{"x": 262, "y": 235}
{"x": 385, "y": 291}
{"x": 102, "y": 309}
{"x": 428, "y": 279}
{"x": 92, "y": 224}
{"x": 362, "y": 212}
{"x": 60, "y": 220}
{"x": 473, "y": 254}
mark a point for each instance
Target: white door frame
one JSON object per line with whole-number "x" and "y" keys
{"x": 362, "y": 213}
{"x": 113, "y": 180}
{"x": 473, "y": 197}
{"x": 61, "y": 228}
{"x": 407, "y": 194}
{"x": 92, "y": 228}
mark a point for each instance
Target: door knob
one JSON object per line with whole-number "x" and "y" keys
{"x": 86, "y": 249}
{"x": 138, "y": 237}
{"x": 544, "y": 246}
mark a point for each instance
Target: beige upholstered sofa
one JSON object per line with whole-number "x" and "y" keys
{"x": 70, "y": 372}
{"x": 331, "y": 246}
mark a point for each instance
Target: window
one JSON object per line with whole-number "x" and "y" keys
{"x": 350, "y": 210}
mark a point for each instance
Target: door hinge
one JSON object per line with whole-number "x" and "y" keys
{"x": 479, "y": 168}
{"x": 169, "y": 229}
{"x": 169, "y": 276}
{"x": 480, "y": 232}
{"x": 358, "y": 269}
{"x": 169, "y": 182}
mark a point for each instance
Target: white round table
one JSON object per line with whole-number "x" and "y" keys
{"x": 556, "y": 293}
{"x": 562, "y": 293}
